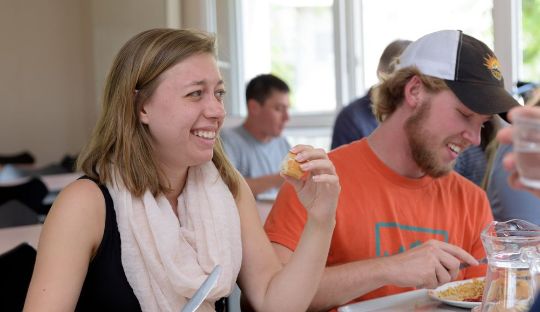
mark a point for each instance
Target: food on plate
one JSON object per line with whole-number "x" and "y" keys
{"x": 291, "y": 167}
{"x": 469, "y": 291}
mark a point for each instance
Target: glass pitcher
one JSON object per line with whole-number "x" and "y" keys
{"x": 513, "y": 252}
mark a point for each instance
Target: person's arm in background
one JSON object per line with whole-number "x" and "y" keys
{"x": 264, "y": 183}
{"x": 505, "y": 137}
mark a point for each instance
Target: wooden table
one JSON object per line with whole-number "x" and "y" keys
{"x": 13, "y": 236}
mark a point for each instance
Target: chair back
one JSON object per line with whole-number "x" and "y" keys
{"x": 30, "y": 193}
{"x": 22, "y": 158}
{"x": 16, "y": 267}
{"x": 15, "y": 213}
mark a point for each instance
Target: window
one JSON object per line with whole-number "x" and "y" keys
{"x": 387, "y": 20}
{"x": 530, "y": 43}
{"x": 293, "y": 39}
{"x": 328, "y": 51}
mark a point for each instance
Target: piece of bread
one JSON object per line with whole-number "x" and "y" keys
{"x": 291, "y": 167}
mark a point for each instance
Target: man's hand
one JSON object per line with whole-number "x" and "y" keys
{"x": 426, "y": 266}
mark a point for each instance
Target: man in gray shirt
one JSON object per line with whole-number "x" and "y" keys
{"x": 256, "y": 148}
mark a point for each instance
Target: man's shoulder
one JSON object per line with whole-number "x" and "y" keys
{"x": 352, "y": 156}
{"x": 230, "y": 132}
{"x": 353, "y": 149}
{"x": 233, "y": 135}
{"x": 280, "y": 140}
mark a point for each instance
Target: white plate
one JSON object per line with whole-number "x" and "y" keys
{"x": 433, "y": 293}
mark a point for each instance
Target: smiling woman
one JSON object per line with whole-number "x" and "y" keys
{"x": 173, "y": 115}
{"x": 161, "y": 206}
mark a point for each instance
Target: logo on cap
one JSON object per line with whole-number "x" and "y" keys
{"x": 492, "y": 63}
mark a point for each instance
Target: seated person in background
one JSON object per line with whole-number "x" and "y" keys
{"x": 506, "y": 202}
{"x": 509, "y": 162}
{"x": 472, "y": 162}
{"x": 356, "y": 120}
{"x": 161, "y": 206}
{"x": 405, "y": 219}
{"x": 256, "y": 148}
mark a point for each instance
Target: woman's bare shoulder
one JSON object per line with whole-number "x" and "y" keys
{"x": 80, "y": 207}
{"x": 83, "y": 194}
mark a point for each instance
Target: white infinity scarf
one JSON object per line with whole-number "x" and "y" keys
{"x": 166, "y": 259}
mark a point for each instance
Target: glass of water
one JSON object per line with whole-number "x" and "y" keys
{"x": 526, "y": 144}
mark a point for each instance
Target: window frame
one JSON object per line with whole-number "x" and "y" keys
{"x": 348, "y": 44}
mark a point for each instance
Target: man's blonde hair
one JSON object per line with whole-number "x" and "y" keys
{"x": 119, "y": 138}
{"x": 388, "y": 95}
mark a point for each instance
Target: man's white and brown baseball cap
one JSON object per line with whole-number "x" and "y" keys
{"x": 469, "y": 68}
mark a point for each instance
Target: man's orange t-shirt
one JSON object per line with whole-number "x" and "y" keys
{"x": 381, "y": 213}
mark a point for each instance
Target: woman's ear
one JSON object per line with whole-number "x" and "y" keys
{"x": 413, "y": 91}
{"x": 143, "y": 115}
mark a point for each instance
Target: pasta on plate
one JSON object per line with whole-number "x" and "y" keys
{"x": 470, "y": 291}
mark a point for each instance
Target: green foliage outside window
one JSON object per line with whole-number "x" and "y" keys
{"x": 531, "y": 40}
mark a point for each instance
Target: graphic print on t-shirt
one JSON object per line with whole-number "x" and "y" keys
{"x": 392, "y": 238}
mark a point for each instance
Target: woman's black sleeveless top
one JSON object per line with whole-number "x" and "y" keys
{"x": 106, "y": 287}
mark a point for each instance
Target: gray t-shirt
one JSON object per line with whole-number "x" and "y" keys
{"x": 253, "y": 158}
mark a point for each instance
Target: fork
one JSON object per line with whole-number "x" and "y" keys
{"x": 464, "y": 265}
{"x": 203, "y": 291}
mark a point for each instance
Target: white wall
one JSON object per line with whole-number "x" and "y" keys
{"x": 115, "y": 22}
{"x": 54, "y": 57}
{"x": 46, "y": 98}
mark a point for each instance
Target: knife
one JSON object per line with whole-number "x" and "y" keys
{"x": 464, "y": 265}
{"x": 203, "y": 291}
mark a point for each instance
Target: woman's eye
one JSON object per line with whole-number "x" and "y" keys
{"x": 220, "y": 94}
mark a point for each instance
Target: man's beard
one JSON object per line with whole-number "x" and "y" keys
{"x": 423, "y": 145}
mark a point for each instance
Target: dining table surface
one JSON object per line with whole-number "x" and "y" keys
{"x": 56, "y": 182}
{"x": 10, "y": 237}
{"x": 415, "y": 300}
{"x": 13, "y": 236}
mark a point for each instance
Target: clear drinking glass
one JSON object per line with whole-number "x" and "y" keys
{"x": 526, "y": 144}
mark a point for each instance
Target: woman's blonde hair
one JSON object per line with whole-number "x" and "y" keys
{"x": 119, "y": 138}
{"x": 388, "y": 95}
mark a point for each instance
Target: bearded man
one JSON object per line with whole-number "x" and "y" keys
{"x": 405, "y": 219}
